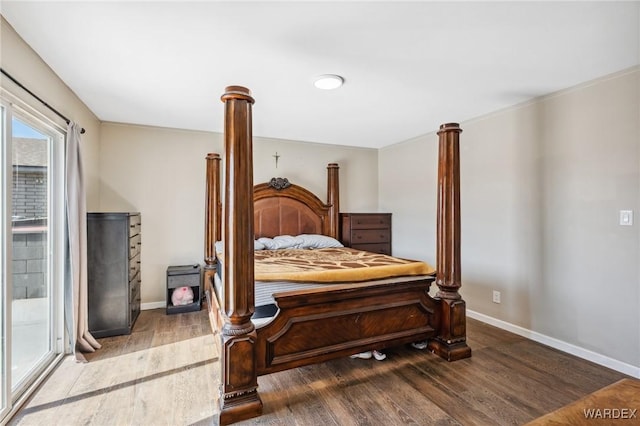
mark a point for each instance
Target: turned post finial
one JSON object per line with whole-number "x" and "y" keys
{"x": 237, "y": 92}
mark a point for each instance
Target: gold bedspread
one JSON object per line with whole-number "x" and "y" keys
{"x": 332, "y": 265}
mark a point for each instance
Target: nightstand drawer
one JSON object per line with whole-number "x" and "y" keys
{"x": 371, "y": 221}
{"x": 365, "y": 236}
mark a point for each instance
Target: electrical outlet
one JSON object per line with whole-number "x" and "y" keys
{"x": 496, "y": 296}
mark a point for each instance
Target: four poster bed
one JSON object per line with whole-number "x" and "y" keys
{"x": 334, "y": 315}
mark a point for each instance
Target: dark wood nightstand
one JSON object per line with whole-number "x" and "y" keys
{"x": 367, "y": 231}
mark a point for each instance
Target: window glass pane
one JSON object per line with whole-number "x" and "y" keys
{"x": 30, "y": 219}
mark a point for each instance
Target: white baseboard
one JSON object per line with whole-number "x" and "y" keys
{"x": 153, "y": 305}
{"x": 569, "y": 348}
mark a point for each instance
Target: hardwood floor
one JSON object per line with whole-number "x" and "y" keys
{"x": 165, "y": 373}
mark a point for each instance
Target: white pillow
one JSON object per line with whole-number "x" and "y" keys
{"x": 316, "y": 241}
{"x": 280, "y": 242}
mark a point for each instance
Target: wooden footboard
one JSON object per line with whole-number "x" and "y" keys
{"x": 318, "y": 325}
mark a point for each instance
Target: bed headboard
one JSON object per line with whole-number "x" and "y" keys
{"x": 290, "y": 210}
{"x": 280, "y": 208}
{"x": 283, "y": 208}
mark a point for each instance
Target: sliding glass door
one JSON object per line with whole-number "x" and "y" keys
{"x": 5, "y": 365}
{"x": 33, "y": 250}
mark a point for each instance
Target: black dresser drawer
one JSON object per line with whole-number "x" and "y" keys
{"x": 134, "y": 266}
{"x": 134, "y": 225}
{"x": 134, "y": 246}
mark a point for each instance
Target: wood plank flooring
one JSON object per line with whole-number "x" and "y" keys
{"x": 166, "y": 373}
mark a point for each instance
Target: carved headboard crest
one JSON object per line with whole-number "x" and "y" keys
{"x": 279, "y": 183}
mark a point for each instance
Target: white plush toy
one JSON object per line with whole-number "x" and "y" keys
{"x": 182, "y": 296}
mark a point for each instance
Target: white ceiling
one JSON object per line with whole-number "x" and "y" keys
{"x": 408, "y": 66}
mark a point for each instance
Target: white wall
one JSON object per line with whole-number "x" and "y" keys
{"x": 161, "y": 173}
{"x": 305, "y": 164}
{"x": 21, "y": 62}
{"x": 542, "y": 185}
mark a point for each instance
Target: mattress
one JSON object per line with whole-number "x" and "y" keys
{"x": 278, "y": 271}
{"x": 333, "y": 265}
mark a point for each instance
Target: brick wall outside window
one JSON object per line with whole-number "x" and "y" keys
{"x": 29, "y": 262}
{"x": 30, "y": 194}
{"x": 29, "y": 232}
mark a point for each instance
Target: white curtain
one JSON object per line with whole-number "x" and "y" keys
{"x": 82, "y": 341}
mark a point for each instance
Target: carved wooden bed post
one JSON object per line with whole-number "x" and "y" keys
{"x": 333, "y": 197}
{"x": 239, "y": 398}
{"x": 211, "y": 221}
{"x": 451, "y": 342}
{"x": 212, "y": 210}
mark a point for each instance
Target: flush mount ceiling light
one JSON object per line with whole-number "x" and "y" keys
{"x": 328, "y": 81}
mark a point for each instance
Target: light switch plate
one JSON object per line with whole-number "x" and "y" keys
{"x": 626, "y": 217}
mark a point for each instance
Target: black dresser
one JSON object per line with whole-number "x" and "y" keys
{"x": 113, "y": 261}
